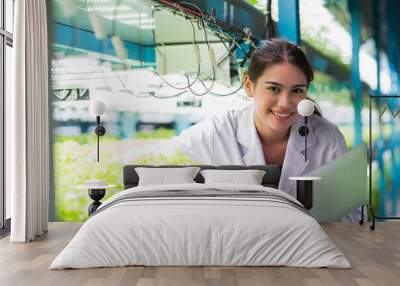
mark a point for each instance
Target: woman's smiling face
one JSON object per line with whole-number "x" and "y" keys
{"x": 276, "y": 94}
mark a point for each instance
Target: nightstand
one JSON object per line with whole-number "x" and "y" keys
{"x": 96, "y": 193}
{"x": 304, "y": 190}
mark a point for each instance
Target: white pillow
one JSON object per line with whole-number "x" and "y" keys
{"x": 164, "y": 176}
{"x": 248, "y": 177}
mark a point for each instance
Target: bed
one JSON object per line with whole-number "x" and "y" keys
{"x": 201, "y": 224}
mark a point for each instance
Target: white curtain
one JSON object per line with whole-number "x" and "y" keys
{"x": 28, "y": 151}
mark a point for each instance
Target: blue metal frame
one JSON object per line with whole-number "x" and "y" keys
{"x": 379, "y": 149}
{"x": 77, "y": 38}
{"x": 377, "y": 39}
{"x": 181, "y": 123}
{"x": 392, "y": 14}
{"x": 234, "y": 14}
{"x": 387, "y": 190}
{"x": 379, "y": 145}
{"x": 393, "y": 36}
{"x": 128, "y": 122}
{"x": 289, "y": 20}
{"x": 354, "y": 8}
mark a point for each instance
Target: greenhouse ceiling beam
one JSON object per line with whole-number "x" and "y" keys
{"x": 354, "y": 9}
{"x": 289, "y": 20}
{"x": 377, "y": 38}
{"x": 231, "y": 15}
{"x": 393, "y": 35}
{"x": 73, "y": 37}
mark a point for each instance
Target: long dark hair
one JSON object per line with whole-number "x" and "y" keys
{"x": 277, "y": 51}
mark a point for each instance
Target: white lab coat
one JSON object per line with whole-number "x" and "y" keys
{"x": 232, "y": 139}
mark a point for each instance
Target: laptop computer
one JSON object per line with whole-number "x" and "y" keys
{"x": 343, "y": 187}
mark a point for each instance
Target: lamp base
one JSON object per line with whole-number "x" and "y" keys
{"x": 93, "y": 207}
{"x": 304, "y": 193}
{"x": 96, "y": 195}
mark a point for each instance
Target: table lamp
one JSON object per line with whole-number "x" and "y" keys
{"x": 98, "y": 108}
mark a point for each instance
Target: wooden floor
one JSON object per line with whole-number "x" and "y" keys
{"x": 375, "y": 257}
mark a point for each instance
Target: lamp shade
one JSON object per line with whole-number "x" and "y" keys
{"x": 97, "y": 107}
{"x": 305, "y": 107}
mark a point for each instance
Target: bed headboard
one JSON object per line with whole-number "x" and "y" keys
{"x": 270, "y": 179}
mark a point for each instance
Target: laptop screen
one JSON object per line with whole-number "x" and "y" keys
{"x": 344, "y": 185}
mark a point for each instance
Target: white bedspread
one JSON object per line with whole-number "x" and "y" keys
{"x": 200, "y": 231}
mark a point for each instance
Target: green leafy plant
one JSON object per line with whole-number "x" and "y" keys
{"x": 75, "y": 162}
{"x": 159, "y": 133}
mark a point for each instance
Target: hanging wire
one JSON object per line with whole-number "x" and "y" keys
{"x": 201, "y": 25}
{"x": 149, "y": 94}
{"x": 123, "y": 84}
{"x": 207, "y": 88}
{"x": 230, "y": 52}
{"x": 198, "y": 64}
{"x": 223, "y": 38}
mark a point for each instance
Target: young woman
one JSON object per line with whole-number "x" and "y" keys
{"x": 266, "y": 132}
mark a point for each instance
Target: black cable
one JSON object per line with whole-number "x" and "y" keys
{"x": 150, "y": 94}
{"x": 230, "y": 93}
{"x": 169, "y": 96}
{"x": 173, "y": 86}
{"x": 238, "y": 65}
{"x": 198, "y": 65}
{"x": 207, "y": 89}
{"x": 202, "y": 26}
{"x": 191, "y": 5}
{"x": 205, "y": 34}
{"x": 189, "y": 86}
{"x": 212, "y": 85}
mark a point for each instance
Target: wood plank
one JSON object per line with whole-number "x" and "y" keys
{"x": 375, "y": 258}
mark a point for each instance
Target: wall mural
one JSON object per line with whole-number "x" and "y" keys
{"x": 157, "y": 70}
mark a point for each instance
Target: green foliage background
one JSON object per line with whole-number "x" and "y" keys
{"x": 75, "y": 162}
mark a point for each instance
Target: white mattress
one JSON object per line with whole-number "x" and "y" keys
{"x": 200, "y": 231}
